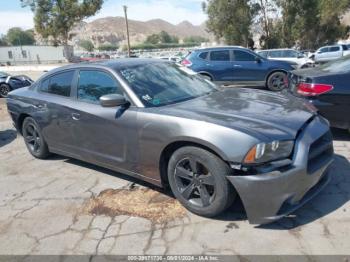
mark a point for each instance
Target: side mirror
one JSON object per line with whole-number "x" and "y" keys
{"x": 112, "y": 100}
{"x": 258, "y": 60}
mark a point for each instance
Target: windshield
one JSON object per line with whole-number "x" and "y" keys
{"x": 337, "y": 66}
{"x": 159, "y": 84}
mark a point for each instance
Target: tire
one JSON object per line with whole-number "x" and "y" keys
{"x": 4, "y": 90}
{"x": 207, "y": 77}
{"x": 207, "y": 192}
{"x": 34, "y": 139}
{"x": 275, "y": 81}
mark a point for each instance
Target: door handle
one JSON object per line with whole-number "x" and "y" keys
{"x": 75, "y": 116}
{"x": 237, "y": 66}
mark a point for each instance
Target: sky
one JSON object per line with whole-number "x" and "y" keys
{"x": 173, "y": 11}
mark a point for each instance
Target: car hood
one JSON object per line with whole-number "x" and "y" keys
{"x": 259, "y": 113}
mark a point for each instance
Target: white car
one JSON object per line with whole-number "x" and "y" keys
{"x": 332, "y": 52}
{"x": 289, "y": 55}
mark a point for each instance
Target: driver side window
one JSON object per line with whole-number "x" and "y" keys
{"x": 93, "y": 84}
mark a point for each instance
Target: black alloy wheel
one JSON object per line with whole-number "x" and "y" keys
{"x": 33, "y": 139}
{"x": 4, "y": 90}
{"x": 198, "y": 179}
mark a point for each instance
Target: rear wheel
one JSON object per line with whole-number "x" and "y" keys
{"x": 33, "y": 139}
{"x": 4, "y": 90}
{"x": 198, "y": 180}
{"x": 277, "y": 81}
{"x": 207, "y": 77}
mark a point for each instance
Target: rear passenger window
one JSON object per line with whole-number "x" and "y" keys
{"x": 223, "y": 55}
{"x": 334, "y": 49}
{"x": 203, "y": 55}
{"x": 290, "y": 54}
{"x": 243, "y": 56}
{"x": 263, "y": 54}
{"x": 276, "y": 54}
{"x": 94, "y": 84}
{"x": 59, "y": 84}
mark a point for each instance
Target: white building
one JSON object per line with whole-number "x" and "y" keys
{"x": 17, "y": 55}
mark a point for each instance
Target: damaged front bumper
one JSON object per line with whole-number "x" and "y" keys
{"x": 271, "y": 195}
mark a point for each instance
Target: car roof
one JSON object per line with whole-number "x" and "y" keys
{"x": 111, "y": 63}
{"x": 276, "y": 49}
{"x": 204, "y": 49}
{"x": 114, "y": 64}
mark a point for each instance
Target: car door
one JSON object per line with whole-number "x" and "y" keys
{"x": 220, "y": 65}
{"x": 247, "y": 68}
{"x": 53, "y": 110}
{"x": 322, "y": 54}
{"x": 106, "y": 136}
{"x": 335, "y": 52}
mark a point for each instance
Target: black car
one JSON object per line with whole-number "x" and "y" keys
{"x": 9, "y": 83}
{"x": 328, "y": 88}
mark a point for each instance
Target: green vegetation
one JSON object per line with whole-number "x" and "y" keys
{"x": 87, "y": 45}
{"x": 195, "y": 39}
{"x": 281, "y": 23}
{"x": 108, "y": 47}
{"x": 54, "y": 19}
{"x": 230, "y": 20}
{"x": 17, "y": 36}
{"x": 162, "y": 38}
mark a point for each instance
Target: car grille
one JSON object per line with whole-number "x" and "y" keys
{"x": 320, "y": 151}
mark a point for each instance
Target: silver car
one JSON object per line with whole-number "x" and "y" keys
{"x": 158, "y": 122}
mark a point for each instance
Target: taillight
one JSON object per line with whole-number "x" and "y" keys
{"x": 186, "y": 62}
{"x": 309, "y": 89}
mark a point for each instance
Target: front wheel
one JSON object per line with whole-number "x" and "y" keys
{"x": 198, "y": 180}
{"x": 4, "y": 90}
{"x": 277, "y": 81}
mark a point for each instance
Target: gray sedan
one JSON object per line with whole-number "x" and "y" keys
{"x": 158, "y": 122}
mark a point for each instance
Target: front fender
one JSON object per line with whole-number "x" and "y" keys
{"x": 156, "y": 134}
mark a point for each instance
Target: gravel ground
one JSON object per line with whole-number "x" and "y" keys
{"x": 45, "y": 208}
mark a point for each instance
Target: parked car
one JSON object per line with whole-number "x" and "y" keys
{"x": 332, "y": 52}
{"x": 152, "y": 120}
{"x": 237, "y": 65}
{"x": 326, "y": 87}
{"x": 289, "y": 55}
{"x": 9, "y": 83}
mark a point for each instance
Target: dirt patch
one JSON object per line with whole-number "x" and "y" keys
{"x": 145, "y": 203}
{"x": 4, "y": 115}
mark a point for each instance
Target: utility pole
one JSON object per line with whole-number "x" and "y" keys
{"x": 127, "y": 28}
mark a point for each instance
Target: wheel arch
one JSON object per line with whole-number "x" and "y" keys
{"x": 207, "y": 74}
{"x": 274, "y": 71}
{"x": 171, "y": 148}
{"x": 20, "y": 121}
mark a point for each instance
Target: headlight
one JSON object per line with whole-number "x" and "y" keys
{"x": 266, "y": 152}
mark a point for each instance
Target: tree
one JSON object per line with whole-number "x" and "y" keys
{"x": 3, "y": 40}
{"x": 230, "y": 19}
{"x": 195, "y": 39}
{"x": 309, "y": 24}
{"x": 17, "y": 36}
{"x": 153, "y": 39}
{"x": 87, "y": 45}
{"x": 55, "y": 18}
{"x": 108, "y": 47}
{"x": 161, "y": 38}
